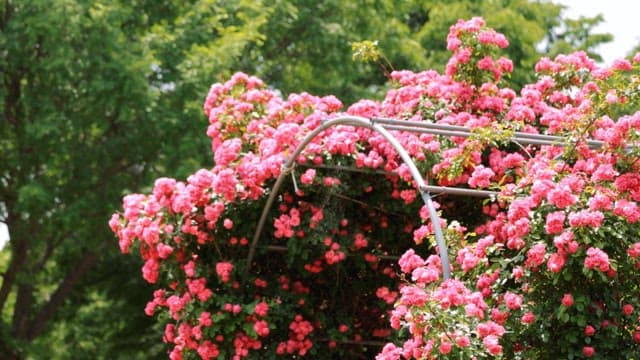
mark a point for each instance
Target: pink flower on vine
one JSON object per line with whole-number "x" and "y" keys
{"x": 588, "y": 351}
{"x": 227, "y": 152}
{"x": 198, "y": 288}
{"x": 513, "y": 301}
{"x": 589, "y": 330}
{"x": 556, "y": 262}
{"x": 486, "y": 63}
{"x": 491, "y": 37}
{"x": 586, "y": 218}
{"x": 565, "y": 242}
{"x": 600, "y": 201}
{"x": 410, "y": 261}
{"x": 261, "y": 309}
{"x": 389, "y": 352}
{"x": 519, "y": 209}
{"x": 467, "y": 259}
{"x": 413, "y": 296}
{"x": 597, "y": 259}
{"x": 627, "y": 209}
{"x": 308, "y": 176}
{"x": 150, "y": 271}
{"x": 425, "y": 274}
{"x": 604, "y": 172}
{"x": 561, "y": 197}
{"x": 505, "y": 65}
{"x": 360, "y": 241}
{"x": 205, "y": 319}
{"x": 634, "y": 250}
{"x": 536, "y": 255}
{"x": 261, "y": 328}
{"x": 445, "y": 347}
{"x": 481, "y": 177}
{"x": 528, "y": 318}
{"x": 567, "y": 300}
{"x": 224, "y": 269}
{"x": 555, "y": 222}
{"x": 492, "y": 344}
{"x": 208, "y": 350}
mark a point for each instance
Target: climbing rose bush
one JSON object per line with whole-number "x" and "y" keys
{"x": 347, "y": 266}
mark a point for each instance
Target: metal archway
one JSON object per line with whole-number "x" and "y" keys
{"x": 382, "y": 125}
{"x": 372, "y": 125}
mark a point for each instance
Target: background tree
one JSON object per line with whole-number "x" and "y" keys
{"x": 577, "y": 34}
{"x": 99, "y": 98}
{"x": 527, "y": 25}
{"x": 87, "y": 91}
{"x": 317, "y": 35}
{"x": 75, "y": 103}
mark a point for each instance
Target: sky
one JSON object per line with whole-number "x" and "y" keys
{"x": 620, "y": 20}
{"x": 4, "y": 235}
{"x": 619, "y": 16}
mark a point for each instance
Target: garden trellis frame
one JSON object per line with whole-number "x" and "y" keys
{"x": 383, "y": 126}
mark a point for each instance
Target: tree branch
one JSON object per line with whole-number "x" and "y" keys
{"x": 49, "y": 309}
{"x": 18, "y": 257}
{"x": 52, "y": 244}
{"x": 22, "y": 310}
{"x": 6, "y": 15}
{"x": 12, "y": 98}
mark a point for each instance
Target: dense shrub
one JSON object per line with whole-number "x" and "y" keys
{"x": 547, "y": 268}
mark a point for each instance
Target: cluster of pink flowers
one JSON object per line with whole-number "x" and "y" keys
{"x": 553, "y": 212}
{"x": 463, "y": 40}
{"x": 224, "y": 269}
{"x": 597, "y": 259}
{"x": 563, "y": 215}
{"x": 299, "y": 343}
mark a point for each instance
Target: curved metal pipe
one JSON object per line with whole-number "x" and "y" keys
{"x": 369, "y": 124}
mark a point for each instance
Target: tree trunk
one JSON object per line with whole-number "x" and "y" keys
{"x": 49, "y": 309}
{"x": 18, "y": 257}
{"x": 22, "y": 311}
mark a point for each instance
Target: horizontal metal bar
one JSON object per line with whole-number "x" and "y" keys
{"x": 460, "y": 191}
{"x": 555, "y": 141}
{"x": 363, "y": 170}
{"x": 430, "y": 188}
{"x": 428, "y": 131}
{"x": 457, "y": 130}
{"x": 280, "y": 248}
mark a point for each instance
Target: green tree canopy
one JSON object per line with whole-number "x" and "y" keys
{"x": 75, "y": 104}
{"x": 317, "y": 35}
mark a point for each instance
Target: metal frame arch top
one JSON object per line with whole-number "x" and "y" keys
{"x": 362, "y": 122}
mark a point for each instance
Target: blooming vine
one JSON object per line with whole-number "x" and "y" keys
{"x": 548, "y": 268}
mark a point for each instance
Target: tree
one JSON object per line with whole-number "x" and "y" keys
{"x": 317, "y": 35}
{"x": 527, "y": 24}
{"x": 75, "y": 102}
{"x": 578, "y": 34}
{"x": 86, "y": 90}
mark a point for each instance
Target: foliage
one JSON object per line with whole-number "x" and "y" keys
{"x": 577, "y": 34}
{"x": 192, "y": 42}
{"x": 74, "y": 97}
{"x": 527, "y": 25}
{"x": 207, "y": 250}
{"x": 548, "y": 268}
{"x": 88, "y": 89}
{"x": 318, "y": 34}
{"x": 552, "y": 271}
